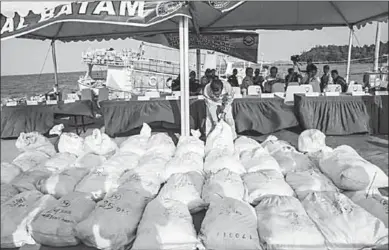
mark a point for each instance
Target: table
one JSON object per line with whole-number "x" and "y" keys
{"x": 40, "y": 118}
{"x": 343, "y": 115}
{"x": 263, "y": 115}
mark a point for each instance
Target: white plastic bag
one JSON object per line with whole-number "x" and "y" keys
{"x": 316, "y": 157}
{"x": 185, "y": 188}
{"x": 28, "y": 180}
{"x": 9, "y": 172}
{"x": 120, "y": 163}
{"x": 272, "y": 145}
{"x": 229, "y": 224}
{"x": 265, "y": 183}
{"x": 220, "y": 138}
{"x": 71, "y": 143}
{"x": 90, "y": 161}
{"x": 100, "y": 143}
{"x": 185, "y": 163}
{"x": 311, "y": 140}
{"x": 258, "y": 159}
{"x": 141, "y": 184}
{"x": 55, "y": 225}
{"x": 219, "y": 159}
{"x": 30, "y": 159}
{"x": 7, "y": 192}
{"x": 60, "y": 162}
{"x": 292, "y": 161}
{"x": 113, "y": 222}
{"x": 224, "y": 183}
{"x": 243, "y": 143}
{"x": 62, "y": 183}
{"x": 283, "y": 224}
{"x": 349, "y": 171}
{"x": 152, "y": 168}
{"x": 17, "y": 214}
{"x": 190, "y": 144}
{"x": 344, "y": 224}
{"x": 308, "y": 181}
{"x": 374, "y": 203}
{"x": 161, "y": 143}
{"x": 137, "y": 143}
{"x": 34, "y": 141}
{"x": 166, "y": 224}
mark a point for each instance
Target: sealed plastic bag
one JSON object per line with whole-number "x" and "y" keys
{"x": 166, "y": 224}
{"x": 113, "y": 223}
{"x": 292, "y": 161}
{"x": 243, "y": 143}
{"x": 137, "y": 143}
{"x": 17, "y": 215}
{"x": 28, "y": 180}
{"x": 258, "y": 159}
{"x": 151, "y": 167}
{"x": 120, "y": 163}
{"x": 308, "y": 181}
{"x": 9, "y": 172}
{"x": 218, "y": 159}
{"x": 7, "y": 192}
{"x": 141, "y": 184}
{"x": 283, "y": 224}
{"x": 190, "y": 144}
{"x": 71, "y": 143}
{"x": 373, "y": 202}
{"x": 265, "y": 183}
{"x": 344, "y": 224}
{"x": 317, "y": 156}
{"x": 185, "y": 163}
{"x": 60, "y": 162}
{"x": 311, "y": 140}
{"x": 224, "y": 183}
{"x": 100, "y": 143}
{"x": 62, "y": 183}
{"x": 272, "y": 145}
{"x": 55, "y": 225}
{"x": 30, "y": 159}
{"x": 161, "y": 143}
{"x": 349, "y": 171}
{"x": 34, "y": 141}
{"x": 185, "y": 188}
{"x": 89, "y": 161}
{"x": 220, "y": 138}
{"x": 229, "y": 224}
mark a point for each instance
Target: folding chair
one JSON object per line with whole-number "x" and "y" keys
{"x": 278, "y": 87}
{"x": 254, "y": 90}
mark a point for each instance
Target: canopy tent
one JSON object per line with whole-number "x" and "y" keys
{"x": 81, "y": 21}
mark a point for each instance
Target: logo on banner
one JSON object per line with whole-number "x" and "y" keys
{"x": 166, "y": 8}
{"x": 248, "y": 40}
{"x": 219, "y": 4}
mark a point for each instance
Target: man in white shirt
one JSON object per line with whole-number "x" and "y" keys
{"x": 312, "y": 79}
{"x": 218, "y": 98}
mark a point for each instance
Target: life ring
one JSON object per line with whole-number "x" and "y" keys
{"x": 153, "y": 81}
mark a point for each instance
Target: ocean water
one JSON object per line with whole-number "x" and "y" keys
{"x": 29, "y": 85}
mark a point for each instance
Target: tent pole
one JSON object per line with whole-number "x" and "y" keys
{"x": 54, "y": 63}
{"x": 198, "y": 63}
{"x": 184, "y": 75}
{"x": 377, "y": 46}
{"x": 350, "y": 46}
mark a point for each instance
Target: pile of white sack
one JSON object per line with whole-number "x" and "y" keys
{"x": 146, "y": 192}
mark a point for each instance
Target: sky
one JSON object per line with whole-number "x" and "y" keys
{"x": 22, "y": 56}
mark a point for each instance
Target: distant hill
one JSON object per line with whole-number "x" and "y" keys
{"x": 334, "y": 53}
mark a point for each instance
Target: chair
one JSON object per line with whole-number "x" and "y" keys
{"x": 291, "y": 90}
{"x": 354, "y": 88}
{"x": 236, "y": 90}
{"x": 278, "y": 87}
{"x": 254, "y": 90}
{"x": 334, "y": 88}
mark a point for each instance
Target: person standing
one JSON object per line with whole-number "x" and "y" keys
{"x": 312, "y": 79}
{"x": 326, "y": 79}
{"x": 233, "y": 79}
{"x": 248, "y": 79}
{"x": 339, "y": 80}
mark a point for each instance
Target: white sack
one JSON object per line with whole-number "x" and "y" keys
{"x": 166, "y": 224}
{"x": 244, "y": 143}
{"x": 71, "y": 143}
{"x": 120, "y": 163}
{"x": 291, "y": 161}
{"x": 100, "y": 143}
{"x": 8, "y": 172}
{"x": 185, "y": 163}
{"x": 30, "y": 159}
{"x": 317, "y": 156}
{"x": 17, "y": 215}
{"x": 283, "y": 224}
{"x": 145, "y": 186}
{"x": 272, "y": 145}
{"x": 62, "y": 183}
{"x": 349, "y": 171}
{"x": 344, "y": 224}
{"x": 258, "y": 159}
{"x": 185, "y": 188}
{"x": 308, "y": 181}
{"x": 28, "y": 180}
{"x": 219, "y": 159}
{"x": 60, "y": 162}
{"x": 230, "y": 224}
{"x": 7, "y": 192}
{"x": 224, "y": 183}
{"x": 311, "y": 140}
{"x": 221, "y": 137}
{"x": 137, "y": 143}
{"x": 55, "y": 225}
{"x": 151, "y": 168}
{"x": 265, "y": 183}
{"x": 190, "y": 144}
{"x": 113, "y": 222}
{"x": 34, "y": 141}
{"x": 90, "y": 161}
{"x": 374, "y": 203}
{"x": 161, "y": 143}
